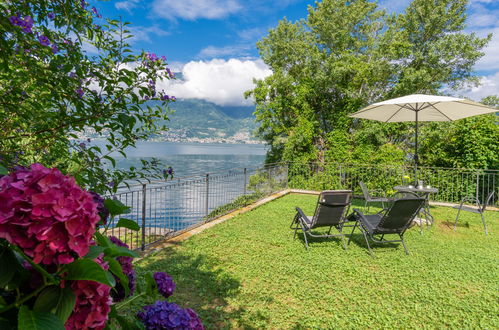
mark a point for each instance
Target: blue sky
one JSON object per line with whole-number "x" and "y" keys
{"x": 212, "y": 42}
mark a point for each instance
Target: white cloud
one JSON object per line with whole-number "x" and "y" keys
{"x": 489, "y": 86}
{"x": 193, "y": 9}
{"x": 142, "y": 33}
{"x": 212, "y": 51}
{"x": 222, "y": 82}
{"x": 127, "y": 5}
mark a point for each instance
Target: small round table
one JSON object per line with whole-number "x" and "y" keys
{"x": 422, "y": 192}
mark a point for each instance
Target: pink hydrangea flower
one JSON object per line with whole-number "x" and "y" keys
{"x": 93, "y": 303}
{"x": 46, "y": 214}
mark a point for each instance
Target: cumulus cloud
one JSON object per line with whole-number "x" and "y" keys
{"x": 233, "y": 50}
{"x": 142, "y": 33}
{"x": 127, "y": 5}
{"x": 194, "y": 9}
{"x": 489, "y": 86}
{"x": 222, "y": 82}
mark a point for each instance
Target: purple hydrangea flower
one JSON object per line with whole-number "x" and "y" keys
{"x": 195, "y": 322}
{"x": 170, "y": 73}
{"x": 54, "y": 49}
{"x": 165, "y": 97}
{"x": 118, "y": 293}
{"x": 83, "y": 3}
{"x": 173, "y": 98}
{"x": 44, "y": 41}
{"x": 165, "y": 284}
{"x": 101, "y": 209}
{"x": 51, "y": 16}
{"x": 165, "y": 315}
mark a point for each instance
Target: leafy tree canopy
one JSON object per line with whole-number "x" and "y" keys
{"x": 346, "y": 55}
{"x": 64, "y": 70}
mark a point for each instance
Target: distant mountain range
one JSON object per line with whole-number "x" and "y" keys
{"x": 197, "y": 120}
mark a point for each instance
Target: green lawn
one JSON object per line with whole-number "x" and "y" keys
{"x": 248, "y": 272}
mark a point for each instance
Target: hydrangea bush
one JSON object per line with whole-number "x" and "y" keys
{"x": 58, "y": 269}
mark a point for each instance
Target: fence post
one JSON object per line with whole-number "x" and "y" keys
{"x": 245, "y": 176}
{"x": 477, "y": 180}
{"x": 143, "y": 243}
{"x": 207, "y": 193}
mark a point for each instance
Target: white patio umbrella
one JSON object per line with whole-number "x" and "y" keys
{"x": 419, "y": 107}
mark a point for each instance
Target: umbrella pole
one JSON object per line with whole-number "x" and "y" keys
{"x": 416, "y": 158}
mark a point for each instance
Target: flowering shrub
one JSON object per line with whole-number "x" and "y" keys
{"x": 46, "y": 214}
{"x": 166, "y": 315}
{"x": 93, "y": 303}
{"x": 164, "y": 283}
{"x": 58, "y": 271}
{"x": 119, "y": 292}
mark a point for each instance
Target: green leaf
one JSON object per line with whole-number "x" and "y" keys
{"x": 66, "y": 304}
{"x": 94, "y": 252}
{"x": 120, "y": 251}
{"x": 127, "y": 223}
{"x": 150, "y": 284}
{"x": 86, "y": 269}
{"x": 3, "y": 170}
{"x": 102, "y": 240}
{"x": 47, "y": 299}
{"x": 115, "y": 268}
{"x": 116, "y": 207}
{"x": 7, "y": 268}
{"x": 29, "y": 320}
{"x": 56, "y": 300}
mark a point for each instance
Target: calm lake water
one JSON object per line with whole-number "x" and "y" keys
{"x": 196, "y": 158}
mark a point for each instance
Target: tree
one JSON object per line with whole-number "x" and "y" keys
{"x": 346, "y": 55}
{"x": 53, "y": 89}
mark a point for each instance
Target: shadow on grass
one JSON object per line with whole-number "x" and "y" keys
{"x": 202, "y": 284}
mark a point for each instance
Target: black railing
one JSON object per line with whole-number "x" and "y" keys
{"x": 167, "y": 208}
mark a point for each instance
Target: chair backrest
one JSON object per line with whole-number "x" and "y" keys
{"x": 332, "y": 207}
{"x": 365, "y": 191}
{"x": 400, "y": 214}
{"x": 488, "y": 201}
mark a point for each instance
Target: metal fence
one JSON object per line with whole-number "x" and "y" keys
{"x": 453, "y": 184}
{"x": 164, "y": 209}
{"x": 167, "y": 208}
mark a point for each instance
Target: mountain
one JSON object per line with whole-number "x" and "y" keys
{"x": 202, "y": 121}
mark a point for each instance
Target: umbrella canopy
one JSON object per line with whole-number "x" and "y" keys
{"x": 419, "y": 107}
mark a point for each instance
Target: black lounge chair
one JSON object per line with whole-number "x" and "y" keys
{"x": 393, "y": 220}
{"x": 480, "y": 208}
{"x": 331, "y": 210}
{"x": 369, "y": 198}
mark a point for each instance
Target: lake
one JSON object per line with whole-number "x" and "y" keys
{"x": 195, "y": 158}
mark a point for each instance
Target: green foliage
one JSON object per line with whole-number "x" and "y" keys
{"x": 268, "y": 279}
{"x": 52, "y": 94}
{"x": 237, "y": 203}
{"x": 346, "y": 55}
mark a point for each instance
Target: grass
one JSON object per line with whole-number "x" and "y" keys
{"x": 249, "y": 273}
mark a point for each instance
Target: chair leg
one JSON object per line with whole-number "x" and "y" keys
{"x": 457, "y": 218}
{"x": 329, "y": 231}
{"x": 367, "y": 241}
{"x": 403, "y": 243}
{"x": 350, "y": 237}
{"x": 484, "y": 225}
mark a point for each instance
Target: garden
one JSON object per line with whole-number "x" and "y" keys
{"x": 67, "y": 72}
{"x": 249, "y": 272}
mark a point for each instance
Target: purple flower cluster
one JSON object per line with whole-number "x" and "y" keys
{"x": 44, "y": 41}
{"x": 26, "y": 22}
{"x": 94, "y": 10}
{"x": 165, "y": 284}
{"x": 126, "y": 266}
{"x": 165, "y": 315}
{"x": 101, "y": 209}
{"x": 51, "y": 16}
{"x": 170, "y": 73}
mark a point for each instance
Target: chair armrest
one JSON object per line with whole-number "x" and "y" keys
{"x": 300, "y": 212}
{"x": 471, "y": 198}
{"x": 378, "y": 192}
